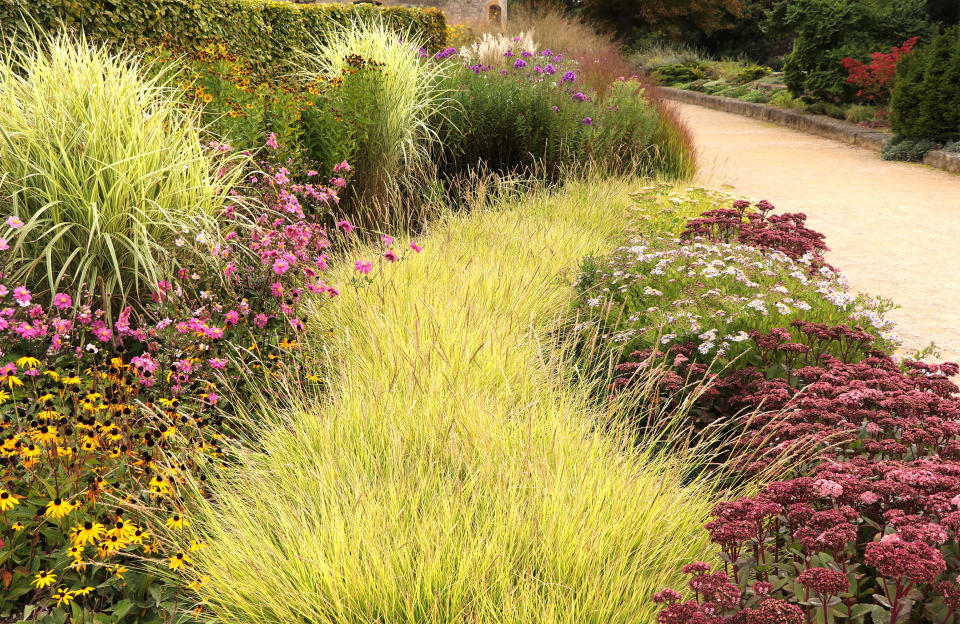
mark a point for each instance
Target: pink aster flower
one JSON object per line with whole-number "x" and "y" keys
{"x": 4, "y": 244}
{"x": 14, "y": 222}
{"x": 22, "y": 295}
{"x": 344, "y": 166}
{"x": 62, "y": 301}
{"x": 280, "y": 266}
{"x": 218, "y": 363}
{"x": 260, "y": 320}
{"x": 387, "y": 240}
{"x": 345, "y": 226}
{"x": 362, "y": 267}
{"x": 272, "y": 141}
{"x": 417, "y": 248}
{"x": 390, "y": 256}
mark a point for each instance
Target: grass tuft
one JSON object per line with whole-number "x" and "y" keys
{"x": 104, "y": 167}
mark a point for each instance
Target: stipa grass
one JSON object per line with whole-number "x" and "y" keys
{"x": 453, "y": 475}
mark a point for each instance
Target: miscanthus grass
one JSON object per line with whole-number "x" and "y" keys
{"x": 453, "y": 474}
{"x": 103, "y": 166}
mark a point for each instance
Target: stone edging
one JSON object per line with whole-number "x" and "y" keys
{"x": 821, "y": 125}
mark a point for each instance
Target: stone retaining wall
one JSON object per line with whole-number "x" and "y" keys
{"x": 820, "y": 125}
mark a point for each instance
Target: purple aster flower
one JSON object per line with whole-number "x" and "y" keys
{"x": 587, "y": 121}
{"x": 579, "y": 96}
{"x": 569, "y": 77}
{"x": 519, "y": 64}
{"x": 550, "y": 69}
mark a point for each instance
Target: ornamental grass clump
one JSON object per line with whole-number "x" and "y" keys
{"x": 395, "y": 134}
{"x": 102, "y": 167}
{"x": 453, "y": 474}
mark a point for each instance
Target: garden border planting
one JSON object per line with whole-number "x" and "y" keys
{"x": 820, "y": 125}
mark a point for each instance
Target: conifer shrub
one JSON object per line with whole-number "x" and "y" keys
{"x": 926, "y": 94}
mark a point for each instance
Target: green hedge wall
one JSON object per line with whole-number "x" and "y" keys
{"x": 267, "y": 31}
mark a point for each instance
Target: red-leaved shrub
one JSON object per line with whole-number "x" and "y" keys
{"x": 875, "y": 79}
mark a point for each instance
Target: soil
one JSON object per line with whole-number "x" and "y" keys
{"x": 893, "y": 228}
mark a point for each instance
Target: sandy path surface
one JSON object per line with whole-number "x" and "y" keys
{"x": 893, "y": 228}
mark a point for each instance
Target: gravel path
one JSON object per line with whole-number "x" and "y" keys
{"x": 893, "y": 228}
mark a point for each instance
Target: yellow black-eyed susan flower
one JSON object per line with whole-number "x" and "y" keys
{"x": 7, "y": 500}
{"x": 177, "y": 521}
{"x": 43, "y": 579}
{"x": 86, "y": 533}
{"x": 58, "y": 508}
{"x": 28, "y": 362}
{"x": 177, "y": 561}
{"x": 17, "y": 526}
{"x": 63, "y": 596}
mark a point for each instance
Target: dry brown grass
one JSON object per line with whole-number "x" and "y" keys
{"x": 552, "y": 29}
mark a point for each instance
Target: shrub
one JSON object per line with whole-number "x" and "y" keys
{"x": 826, "y": 108}
{"x": 828, "y": 31}
{"x": 390, "y": 117}
{"x": 952, "y": 147}
{"x": 926, "y": 92}
{"x": 539, "y": 117}
{"x": 783, "y": 99}
{"x": 909, "y": 150}
{"x": 860, "y": 113}
{"x": 751, "y": 73}
{"x": 102, "y": 169}
{"x": 756, "y": 95}
{"x": 674, "y": 74}
{"x": 875, "y": 80}
{"x": 269, "y": 33}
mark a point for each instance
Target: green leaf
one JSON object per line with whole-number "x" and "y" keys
{"x": 123, "y": 607}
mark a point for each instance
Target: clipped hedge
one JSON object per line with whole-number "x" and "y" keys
{"x": 269, "y": 31}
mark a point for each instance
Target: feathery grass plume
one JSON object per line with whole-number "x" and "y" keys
{"x": 453, "y": 474}
{"x": 394, "y": 136}
{"x": 103, "y": 166}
